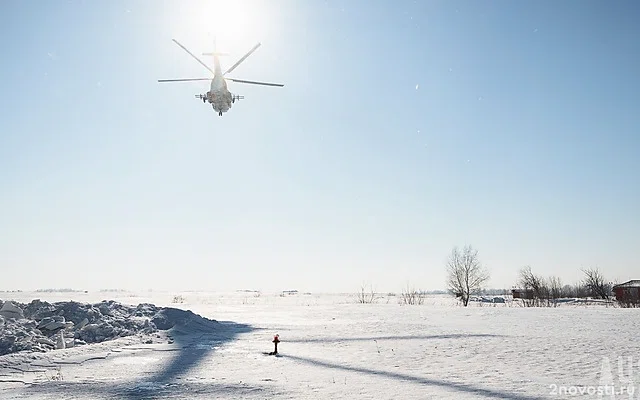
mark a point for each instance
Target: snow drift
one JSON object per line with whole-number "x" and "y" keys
{"x": 40, "y": 326}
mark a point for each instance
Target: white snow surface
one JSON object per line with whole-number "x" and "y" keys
{"x": 333, "y": 348}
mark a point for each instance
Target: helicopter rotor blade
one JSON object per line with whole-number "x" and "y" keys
{"x": 243, "y": 58}
{"x": 184, "y": 80}
{"x": 254, "y": 82}
{"x": 194, "y": 56}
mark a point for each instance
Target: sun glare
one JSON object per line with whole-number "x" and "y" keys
{"x": 235, "y": 25}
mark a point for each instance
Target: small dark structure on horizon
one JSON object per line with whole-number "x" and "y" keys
{"x": 628, "y": 293}
{"x": 522, "y": 294}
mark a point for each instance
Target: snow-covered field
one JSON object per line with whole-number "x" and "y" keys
{"x": 333, "y": 348}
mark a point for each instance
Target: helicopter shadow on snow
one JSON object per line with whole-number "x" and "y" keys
{"x": 191, "y": 347}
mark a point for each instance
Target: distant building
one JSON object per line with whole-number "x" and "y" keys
{"x": 628, "y": 291}
{"x": 522, "y": 294}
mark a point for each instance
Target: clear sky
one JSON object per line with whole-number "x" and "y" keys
{"x": 404, "y": 128}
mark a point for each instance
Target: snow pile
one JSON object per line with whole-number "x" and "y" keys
{"x": 41, "y": 326}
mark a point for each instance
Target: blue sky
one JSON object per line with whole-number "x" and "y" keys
{"x": 404, "y": 128}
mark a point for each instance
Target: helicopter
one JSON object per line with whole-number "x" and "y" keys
{"x": 219, "y": 96}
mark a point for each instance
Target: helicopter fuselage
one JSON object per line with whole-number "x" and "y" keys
{"x": 219, "y": 96}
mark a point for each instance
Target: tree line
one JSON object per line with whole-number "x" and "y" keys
{"x": 466, "y": 276}
{"x": 541, "y": 291}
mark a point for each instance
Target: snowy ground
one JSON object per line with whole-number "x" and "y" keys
{"x": 333, "y": 348}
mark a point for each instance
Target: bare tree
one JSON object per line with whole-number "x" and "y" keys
{"x": 582, "y": 291}
{"x": 465, "y": 274}
{"x": 569, "y": 291}
{"x": 596, "y": 284}
{"x": 366, "y": 296}
{"x": 536, "y": 284}
{"x": 555, "y": 289}
{"x": 411, "y": 296}
{"x": 594, "y": 281}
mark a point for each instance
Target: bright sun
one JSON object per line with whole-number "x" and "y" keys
{"x": 235, "y": 24}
